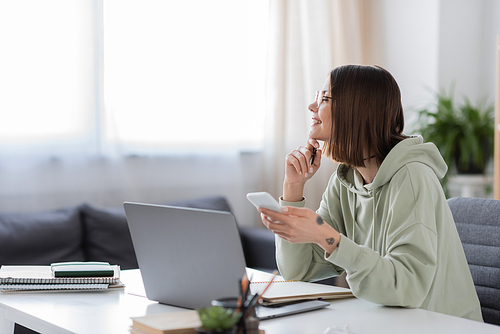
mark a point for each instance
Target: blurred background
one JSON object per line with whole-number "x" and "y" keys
{"x": 106, "y": 101}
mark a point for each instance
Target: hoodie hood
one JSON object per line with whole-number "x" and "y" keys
{"x": 410, "y": 150}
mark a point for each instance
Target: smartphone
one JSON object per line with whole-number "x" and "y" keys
{"x": 264, "y": 200}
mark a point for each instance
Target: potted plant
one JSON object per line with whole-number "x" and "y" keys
{"x": 216, "y": 319}
{"x": 464, "y": 134}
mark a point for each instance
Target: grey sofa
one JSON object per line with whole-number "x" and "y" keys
{"x": 90, "y": 233}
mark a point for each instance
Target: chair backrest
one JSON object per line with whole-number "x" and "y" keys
{"x": 478, "y": 224}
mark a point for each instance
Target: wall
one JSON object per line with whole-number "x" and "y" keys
{"x": 411, "y": 48}
{"x": 430, "y": 44}
{"x": 468, "y": 32}
{"x": 490, "y": 31}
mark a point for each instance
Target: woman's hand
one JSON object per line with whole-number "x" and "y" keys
{"x": 301, "y": 225}
{"x": 298, "y": 169}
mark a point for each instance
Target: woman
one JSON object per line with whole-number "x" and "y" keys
{"x": 383, "y": 218}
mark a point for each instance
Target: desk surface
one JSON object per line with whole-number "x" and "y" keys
{"x": 110, "y": 312}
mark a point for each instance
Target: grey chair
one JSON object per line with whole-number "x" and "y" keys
{"x": 478, "y": 224}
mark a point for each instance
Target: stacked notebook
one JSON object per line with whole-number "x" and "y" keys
{"x": 63, "y": 276}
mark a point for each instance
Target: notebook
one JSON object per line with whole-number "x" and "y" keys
{"x": 282, "y": 292}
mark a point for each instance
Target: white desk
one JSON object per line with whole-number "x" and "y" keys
{"x": 110, "y": 312}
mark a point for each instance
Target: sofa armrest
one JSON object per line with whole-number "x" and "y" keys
{"x": 259, "y": 248}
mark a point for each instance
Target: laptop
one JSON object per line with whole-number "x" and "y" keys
{"x": 190, "y": 257}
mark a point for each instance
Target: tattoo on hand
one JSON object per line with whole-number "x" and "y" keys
{"x": 330, "y": 241}
{"x": 319, "y": 221}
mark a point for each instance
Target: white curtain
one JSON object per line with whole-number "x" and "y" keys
{"x": 307, "y": 40}
{"x": 107, "y": 101}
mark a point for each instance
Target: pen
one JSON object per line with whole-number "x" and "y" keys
{"x": 256, "y": 299}
{"x": 313, "y": 155}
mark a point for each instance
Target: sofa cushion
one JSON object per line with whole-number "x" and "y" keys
{"x": 259, "y": 248}
{"x": 107, "y": 236}
{"x": 218, "y": 203}
{"x": 41, "y": 237}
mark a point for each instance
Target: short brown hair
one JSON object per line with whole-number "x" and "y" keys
{"x": 367, "y": 114}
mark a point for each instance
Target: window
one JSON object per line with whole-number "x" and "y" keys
{"x": 46, "y": 76}
{"x": 172, "y": 74}
{"x": 185, "y": 74}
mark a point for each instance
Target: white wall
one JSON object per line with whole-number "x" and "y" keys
{"x": 490, "y": 31}
{"x": 407, "y": 36}
{"x": 430, "y": 44}
{"x": 411, "y": 46}
{"x": 460, "y": 46}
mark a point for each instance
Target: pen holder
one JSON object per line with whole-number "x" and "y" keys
{"x": 251, "y": 326}
{"x": 251, "y": 323}
{"x": 201, "y": 330}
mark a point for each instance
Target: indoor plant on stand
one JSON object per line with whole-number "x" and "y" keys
{"x": 464, "y": 134}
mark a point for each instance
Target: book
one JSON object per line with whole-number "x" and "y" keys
{"x": 82, "y": 269}
{"x": 281, "y": 291}
{"x": 14, "y": 287}
{"x": 43, "y": 275}
{"x": 184, "y": 322}
{"x": 172, "y": 323}
{"x": 32, "y": 288}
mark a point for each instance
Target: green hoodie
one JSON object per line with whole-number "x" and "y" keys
{"x": 399, "y": 244}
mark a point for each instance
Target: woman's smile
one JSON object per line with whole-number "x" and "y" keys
{"x": 315, "y": 121}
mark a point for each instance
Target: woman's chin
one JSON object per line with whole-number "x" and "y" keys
{"x": 313, "y": 134}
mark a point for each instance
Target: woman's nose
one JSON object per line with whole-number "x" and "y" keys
{"x": 313, "y": 107}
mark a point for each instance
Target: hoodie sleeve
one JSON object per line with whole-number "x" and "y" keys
{"x": 401, "y": 273}
{"x": 306, "y": 262}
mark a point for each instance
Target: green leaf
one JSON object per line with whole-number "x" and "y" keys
{"x": 217, "y": 318}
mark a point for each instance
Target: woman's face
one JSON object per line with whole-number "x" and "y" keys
{"x": 321, "y": 114}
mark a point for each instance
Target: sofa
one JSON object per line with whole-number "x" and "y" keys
{"x": 90, "y": 233}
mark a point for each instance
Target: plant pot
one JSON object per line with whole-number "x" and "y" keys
{"x": 471, "y": 167}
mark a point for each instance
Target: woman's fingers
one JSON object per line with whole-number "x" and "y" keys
{"x": 306, "y": 158}
{"x": 312, "y": 143}
{"x": 276, "y": 227}
{"x": 298, "y": 162}
{"x": 298, "y": 159}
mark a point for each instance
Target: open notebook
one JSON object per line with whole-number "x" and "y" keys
{"x": 281, "y": 291}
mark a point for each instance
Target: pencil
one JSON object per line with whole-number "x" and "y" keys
{"x": 258, "y": 298}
